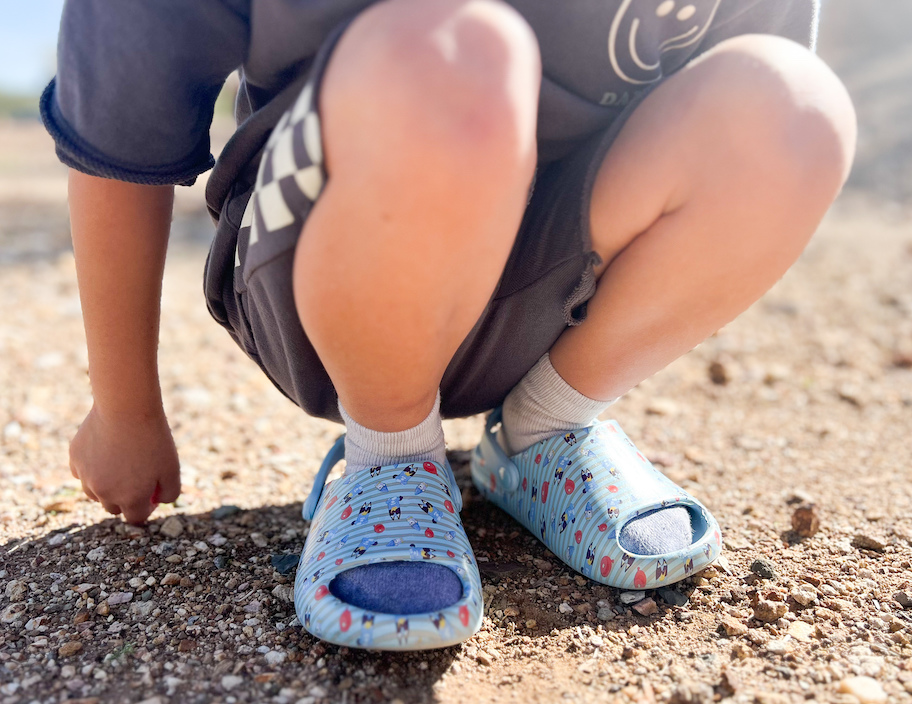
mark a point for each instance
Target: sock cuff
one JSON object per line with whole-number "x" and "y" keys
{"x": 399, "y": 443}
{"x": 548, "y": 389}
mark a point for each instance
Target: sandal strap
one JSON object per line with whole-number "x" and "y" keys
{"x": 501, "y": 472}
{"x": 333, "y": 457}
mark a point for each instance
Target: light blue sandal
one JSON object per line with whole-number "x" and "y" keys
{"x": 576, "y": 491}
{"x": 396, "y": 513}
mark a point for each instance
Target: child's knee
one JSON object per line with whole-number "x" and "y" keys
{"x": 777, "y": 106}
{"x": 436, "y": 84}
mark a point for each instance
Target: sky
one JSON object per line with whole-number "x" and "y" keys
{"x": 28, "y": 41}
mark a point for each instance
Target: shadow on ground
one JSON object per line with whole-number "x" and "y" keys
{"x": 204, "y": 615}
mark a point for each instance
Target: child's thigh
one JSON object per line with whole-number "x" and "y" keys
{"x": 544, "y": 287}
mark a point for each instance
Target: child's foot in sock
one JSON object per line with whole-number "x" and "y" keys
{"x": 543, "y": 405}
{"x": 379, "y": 587}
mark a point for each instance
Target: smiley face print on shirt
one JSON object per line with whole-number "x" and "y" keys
{"x": 644, "y": 31}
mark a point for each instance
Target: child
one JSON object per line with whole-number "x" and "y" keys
{"x": 438, "y": 208}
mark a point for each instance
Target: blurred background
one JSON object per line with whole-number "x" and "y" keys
{"x": 868, "y": 44}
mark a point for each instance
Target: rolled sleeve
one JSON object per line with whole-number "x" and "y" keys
{"x": 137, "y": 82}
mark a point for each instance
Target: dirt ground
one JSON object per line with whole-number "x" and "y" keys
{"x": 805, "y": 399}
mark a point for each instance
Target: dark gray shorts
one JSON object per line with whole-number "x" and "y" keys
{"x": 544, "y": 287}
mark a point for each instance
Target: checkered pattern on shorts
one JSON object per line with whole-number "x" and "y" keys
{"x": 289, "y": 180}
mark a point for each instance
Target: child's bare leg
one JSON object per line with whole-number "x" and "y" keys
{"x": 429, "y": 130}
{"x": 710, "y": 193}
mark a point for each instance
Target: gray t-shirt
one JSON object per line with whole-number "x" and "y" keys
{"x": 137, "y": 79}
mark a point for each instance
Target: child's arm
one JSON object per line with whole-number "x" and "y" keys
{"x": 123, "y": 452}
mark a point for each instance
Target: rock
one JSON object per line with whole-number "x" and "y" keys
{"x": 284, "y": 564}
{"x": 672, "y": 596}
{"x": 565, "y": 608}
{"x": 12, "y": 613}
{"x": 632, "y": 597}
{"x": 229, "y": 682}
{"x": 865, "y": 541}
{"x": 170, "y": 579}
{"x": 742, "y": 651}
{"x": 605, "y": 613}
{"x": 803, "y": 595}
{"x": 723, "y": 564}
{"x": 186, "y": 645}
{"x": 798, "y": 496}
{"x": 16, "y": 590}
{"x": 217, "y": 540}
{"x": 690, "y": 692}
{"x": 220, "y": 562}
{"x": 95, "y": 554}
{"x": 69, "y": 648}
{"x": 806, "y": 520}
{"x": 718, "y": 373}
{"x": 866, "y": 689}
{"x": 801, "y": 630}
{"x": 224, "y": 512}
{"x": 259, "y": 540}
{"x": 283, "y": 593}
{"x": 779, "y": 646}
{"x": 103, "y": 609}
{"x": 120, "y": 598}
{"x": 732, "y": 626}
{"x": 763, "y": 568}
{"x": 531, "y": 623}
{"x": 769, "y": 611}
{"x": 142, "y": 608}
{"x": 903, "y": 599}
{"x": 662, "y": 407}
{"x": 253, "y": 607}
{"x": 275, "y": 657}
{"x": 646, "y": 607}
{"x": 484, "y": 658}
{"x": 172, "y": 527}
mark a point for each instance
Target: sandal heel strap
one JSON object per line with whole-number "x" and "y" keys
{"x": 335, "y": 455}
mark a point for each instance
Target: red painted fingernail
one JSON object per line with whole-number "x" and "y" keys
{"x": 156, "y": 494}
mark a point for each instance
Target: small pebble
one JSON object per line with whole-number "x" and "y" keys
{"x": 866, "y": 689}
{"x": 531, "y": 623}
{"x": 732, "y": 626}
{"x": 903, "y": 599}
{"x": 806, "y": 520}
{"x": 95, "y": 554}
{"x": 170, "y": 579}
{"x": 229, "y": 682}
{"x": 803, "y": 595}
{"x": 224, "y": 512}
{"x": 646, "y": 607}
{"x": 565, "y": 608}
{"x": 865, "y": 541}
{"x": 718, "y": 374}
{"x": 672, "y": 596}
{"x": 770, "y": 611}
{"x": 16, "y": 590}
{"x": 778, "y": 647}
{"x": 259, "y": 540}
{"x": 172, "y": 527}
{"x": 284, "y": 564}
{"x": 120, "y": 598}
{"x": 69, "y": 648}
{"x": 275, "y": 657}
{"x": 632, "y": 597}
{"x": 763, "y": 568}
{"x": 605, "y": 613}
{"x": 220, "y": 562}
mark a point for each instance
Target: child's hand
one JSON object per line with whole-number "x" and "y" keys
{"x": 128, "y": 465}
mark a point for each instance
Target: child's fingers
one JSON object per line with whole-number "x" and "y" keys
{"x": 138, "y": 512}
{"x": 111, "y": 508}
{"x": 170, "y": 488}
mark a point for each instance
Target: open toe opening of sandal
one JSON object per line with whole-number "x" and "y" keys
{"x": 398, "y": 587}
{"x": 636, "y": 533}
